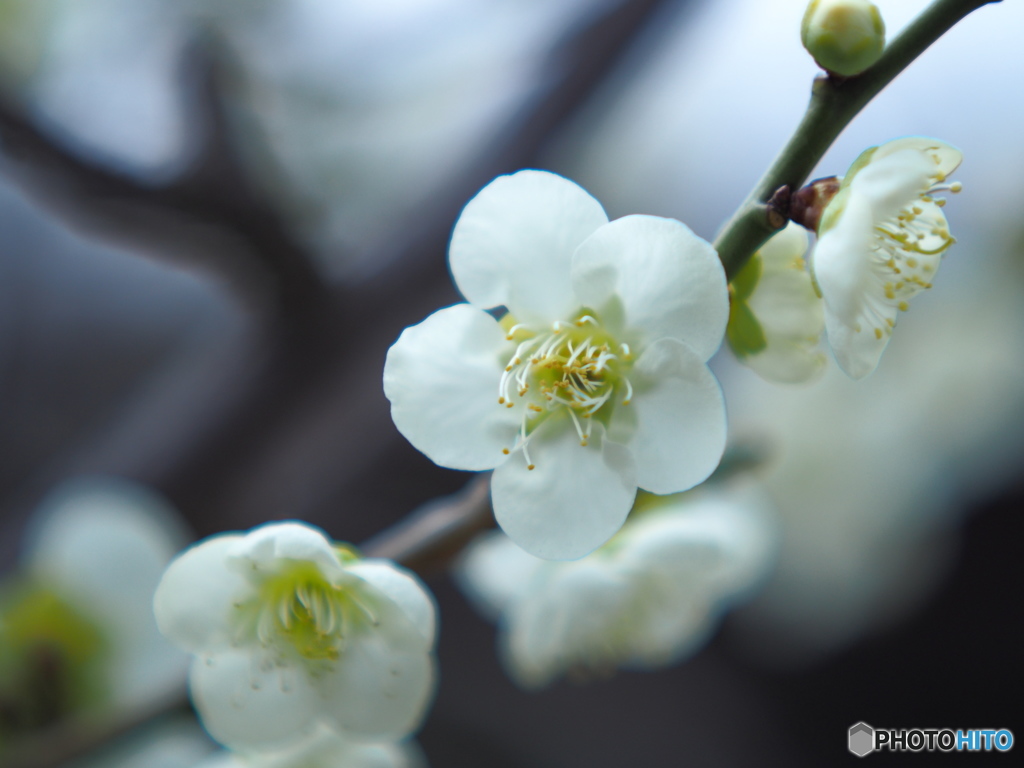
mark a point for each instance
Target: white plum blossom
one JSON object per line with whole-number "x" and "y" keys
{"x": 882, "y": 238}
{"x": 645, "y": 599}
{"x": 101, "y": 545}
{"x": 592, "y": 384}
{"x": 775, "y": 317}
{"x": 325, "y": 749}
{"x": 293, "y": 633}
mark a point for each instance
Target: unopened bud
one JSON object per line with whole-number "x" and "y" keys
{"x": 844, "y": 36}
{"x": 810, "y": 202}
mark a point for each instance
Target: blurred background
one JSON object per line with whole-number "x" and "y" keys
{"x": 216, "y": 216}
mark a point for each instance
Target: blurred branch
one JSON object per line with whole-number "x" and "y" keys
{"x": 211, "y": 214}
{"x": 431, "y": 536}
{"x": 77, "y": 737}
{"x": 835, "y": 101}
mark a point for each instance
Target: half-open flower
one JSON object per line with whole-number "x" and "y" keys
{"x": 882, "y": 239}
{"x": 292, "y": 633}
{"x": 593, "y": 382}
{"x": 775, "y": 316}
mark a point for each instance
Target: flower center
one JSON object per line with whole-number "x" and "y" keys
{"x": 907, "y": 250}
{"x": 298, "y": 608}
{"x": 574, "y": 367}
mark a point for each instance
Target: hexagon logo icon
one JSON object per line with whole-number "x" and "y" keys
{"x": 862, "y": 739}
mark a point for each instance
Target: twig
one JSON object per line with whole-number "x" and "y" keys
{"x": 427, "y": 539}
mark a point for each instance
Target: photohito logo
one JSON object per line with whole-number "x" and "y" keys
{"x": 863, "y": 739}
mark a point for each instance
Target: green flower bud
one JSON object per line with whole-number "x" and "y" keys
{"x": 844, "y": 36}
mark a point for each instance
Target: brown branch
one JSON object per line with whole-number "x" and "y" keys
{"x": 430, "y": 537}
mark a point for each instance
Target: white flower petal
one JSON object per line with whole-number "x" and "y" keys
{"x": 513, "y": 244}
{"x": 790, "y": 313}
{"x": 405, "y": 589}
{"x": 326, "y": 749}
{"x": 225, "y": 759}
{"x": 671, "y": 282}
{"x": 442, "y": 378}
{"x": 674, "y": 545}
{"x": 725, "y": 540}
{"x": 262, "y": 547}
{"x": 891, "y": 182}
{"x": 787, "y": 362}
{"x": 107, "y": 540}
{"x": 571, "y": 622}
{"x": 680, "y": 418}
{"x": 575, "y": 498}
{"x": 248, "y": 703}
{"x": 192, "y": 603}
{"x": 494, "y": 572}
{"x": 105, "y": 544}
{"x": 946, "y": 158}
{"x": 840, "y": 262}
{"x": 786, "y": 306}
{"x": 379, "y": 686}
{"x": 671, "y": 627}
{"x": 857, "y": 352}
{"x": 783, "y": 247}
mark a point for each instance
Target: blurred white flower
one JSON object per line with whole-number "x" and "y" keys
{"x": 291, "y": 631}
{"x": 881, "y": 241}
{"x": 325, "y": 749}
{"x": 595, "y": 381}
{"x": 775, "y": 317}
{"x": 646, "y": 599}
{"x": 101, "y": 546}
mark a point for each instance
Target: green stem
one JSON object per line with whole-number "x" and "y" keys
{"x": 834, "y": 103}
